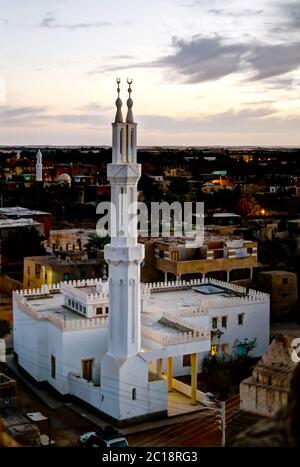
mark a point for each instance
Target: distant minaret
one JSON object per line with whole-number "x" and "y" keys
{"x": 39, "y": 167}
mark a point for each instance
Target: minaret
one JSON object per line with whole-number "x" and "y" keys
{"x": 39, "y": 167}
{"x": 124, "y": 382}
{"x": 124, "y": 255}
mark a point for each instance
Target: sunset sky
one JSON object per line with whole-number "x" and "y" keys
{"x": 205, "y": 72}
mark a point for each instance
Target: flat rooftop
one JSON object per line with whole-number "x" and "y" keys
{"x": 208, "y": 237}
{"x": 11, "y": 223}
{"x": 177, "y": 301}
{"x": 54, "y": 306}
{"x": 56, "y": 261}
{"x": 15, "y": 211}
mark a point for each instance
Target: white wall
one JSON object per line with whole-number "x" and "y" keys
{"x": 256, "y": 324}
{"x": 36, "y": 340}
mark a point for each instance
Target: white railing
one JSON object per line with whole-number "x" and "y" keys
{"x": 169, "y": 339}
{"x": 46, "y": 289}
{"x": 177, "y": 320}
{"x": 85, "y": 323}
{"x": 60, "y": 320}
{"x": 250, "y": 295}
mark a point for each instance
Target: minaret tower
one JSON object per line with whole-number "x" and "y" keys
{"x": 124, "y": 254}
{"x": 39, "y": 167}
{"x": 124, "y": 374}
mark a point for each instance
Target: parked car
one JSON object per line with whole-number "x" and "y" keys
{"x": 107, "y": 437}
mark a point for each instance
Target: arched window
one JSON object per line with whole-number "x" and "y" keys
{"x": 134, "y": 394}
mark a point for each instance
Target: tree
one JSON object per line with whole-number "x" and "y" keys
{"x": 96, "y": 242}
{"x": 4, "y": 328}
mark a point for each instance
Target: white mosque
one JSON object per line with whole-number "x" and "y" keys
{"x": 119, "y": 345}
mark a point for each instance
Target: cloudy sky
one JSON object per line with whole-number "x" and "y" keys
{"x": 205, "y": 72}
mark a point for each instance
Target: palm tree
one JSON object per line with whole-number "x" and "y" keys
{"x": 96, "y": 242}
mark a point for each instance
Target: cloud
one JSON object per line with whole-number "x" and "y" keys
{"x": 37, "y": 116}
{"x": 233, "y": 13}
{"x": 202, "y": 59}
{"x": 290, "y": 12}
{"x": 274, "y": 60}
{"x": 49, "y": 22}
{"x": 78, "y": 119}
{"x": 246, "y": 121}
{"x": 16, "y": 116}
{"x": 93, "y": 107}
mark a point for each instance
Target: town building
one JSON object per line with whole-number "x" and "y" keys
{"x": 7, "y": 229}
{"x": 283, "y": 288}
{"x": 17, "y": 213}
{"x": 224, "y": 257}
{"x": 63, "y": 239}
{"x": 62, "y": 266}
{"x": 266, "y": 391}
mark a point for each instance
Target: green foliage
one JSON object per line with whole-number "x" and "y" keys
{"x": 222, "y": 372}
{"x": 95, "y": 242}
{"x": 4, "y": 328}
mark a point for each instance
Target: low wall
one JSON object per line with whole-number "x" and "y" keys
{"x": 186, "y": 390}
{"x": 84, "y": 390}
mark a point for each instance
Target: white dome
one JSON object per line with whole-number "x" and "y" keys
{"x": 65, "y": 178}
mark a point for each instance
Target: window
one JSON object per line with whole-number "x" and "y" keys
{"x": 69, "y": 302}
{"x": 161, "y": 253}
{"x": 28, "y": 270}
{"x": 224, "y": 348}
{"x": 80, "y": 307}
{"x": 224, "y": 321}
{"x": 134, "y": 394}
{"x": 98, "y": 311}
{"x": 175, "y": 255}
{"x": 241, "y": 319}
{"x": 53, "y": 367}
{"x": 73, "y": 304}
{"x": 285, "y": 280}
{"x": 87, "y": 366}
{"x": 214, "y": 349}
{"x": 66, "y": 276}
{"x": 37, "y": 271}
{"x": 214, "y": 323}
{"x": 76, "y": 305}
{"x": 84, "y": 309}
{"x": 186, "y": 360}
{"x": 106, "y": 310}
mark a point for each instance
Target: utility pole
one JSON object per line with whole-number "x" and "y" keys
{"x": 223, "y": 424}
{"x": 222, "y": 421}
